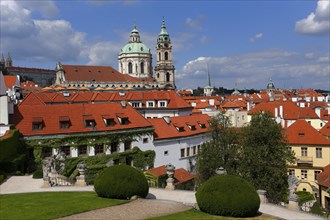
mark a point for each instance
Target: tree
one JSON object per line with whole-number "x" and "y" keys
{"x": 221, "y": 151}
{"x": 265, "y": 155}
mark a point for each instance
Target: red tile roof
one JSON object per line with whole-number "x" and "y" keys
{"x": 97, "y": 73}
{"x": 324, "y": 114}
{"x": 325, "y": 130}
{"x": 307, "y": 113}
{"x": 290, "y": 109}
{"x": 50, "y": 115}
{"x": 165, "y": 131}
{"x": 181, "y": 175}
{"x": 10, "y": 81}
{"x": 301, "y": 132}
{"x": 323, "y": 178}
{"x": 174, "y": 100}
{"x": 234, "y": 104}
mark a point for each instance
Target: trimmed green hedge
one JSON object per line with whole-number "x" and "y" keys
{"x": 9, "y": 144}
{"x": 121, "y": 182}
{"x": 228, "y": 195}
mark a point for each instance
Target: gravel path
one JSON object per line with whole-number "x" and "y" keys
{"x": 137, "y": 209}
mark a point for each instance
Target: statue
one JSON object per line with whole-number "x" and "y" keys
{"x": 293, "y": 198}
{"x": 81, "y": 167}
{"x": 170, "y": 169}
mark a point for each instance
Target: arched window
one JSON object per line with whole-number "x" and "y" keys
{"x": 130, "y": 67}
{"x": 157, "y": 75}
{"x": 142, "y": 67}
{"x": 166, "y": 55}
{"x": 168, "y": 77}
{"x": 159, "y": 56}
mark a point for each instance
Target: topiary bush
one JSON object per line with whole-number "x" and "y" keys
{"x": 121, "y": 182}
{"x": 38, "y": 173}
{"x": 228, "y": 195}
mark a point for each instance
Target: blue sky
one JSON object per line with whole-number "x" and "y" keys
{"x": 243, "y": 42}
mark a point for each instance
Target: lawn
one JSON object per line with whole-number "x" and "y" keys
{"x": 193, "y": 214}
{"x": 50, "y": 205}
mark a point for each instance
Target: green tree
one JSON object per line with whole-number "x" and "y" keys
{"x": 265, "y": 156}
{"x": 221, "y": 151}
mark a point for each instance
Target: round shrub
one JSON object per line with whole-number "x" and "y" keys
{"x": 228, "y": 195}
{"x": 121, "y": 182}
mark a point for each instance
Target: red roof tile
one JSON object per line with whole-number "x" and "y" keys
{"x": 181, "y": 175}
{"x": 10, "y": 81}
{"x": 301, "y": 132}
{"x": 323, "y": 178}
{"x": 307, "y": 113}
{"x": 290, "y": 110}
{"x": 325, "y": 130}
{"x": 97, "y": 73}
{"x": 164, "y": 130}
{"x": 50, "y": 114}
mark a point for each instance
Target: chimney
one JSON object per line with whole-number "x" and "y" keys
{"x": 123, "y": 104}
{"x": 167, "y": 119}
{"x": 248, "y": 106}
{"x": 211, "y": 102}
{"x": 276, "y": 112}
{"x": 281, "y": 111}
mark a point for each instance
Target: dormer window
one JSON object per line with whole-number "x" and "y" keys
{"x": 37, "y": 123}
{"x": 136, "y": 104}
{"x": 64, "y": 122}
{"x": 123, "y": 119}
{"x": 191, "y": 127}
{"x": 108, "y": 120}
{"x": 150, "y": 104}
{"x": 301, "y": 134}
{"x": 89, "y": 121}
{"x": 162, "y": 104}
{"x": 202, "y": 125}
{"x": 179, "y": 128}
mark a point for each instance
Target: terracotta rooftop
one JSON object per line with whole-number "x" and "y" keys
{"x": 301, "y": 132}
{"x": 180, "y": 126}
{"x": 49, "y": 115}
{"x": 181, "y": 175}
{"x": 325, "y": 130}
{"x": 323, "y": 178}
{"x": 10, "y": 80}
{"x": 74, "y": 73}
{"x": 307, "y": 112}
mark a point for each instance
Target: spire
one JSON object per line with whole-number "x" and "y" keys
{"x": 9, "y": 61}
{"x": 163, "y": 35}
{"x": 208, "y": 76}
{"x": 2, "y": 61}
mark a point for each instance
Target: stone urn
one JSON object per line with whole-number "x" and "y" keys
{"x": 170, "y": 169}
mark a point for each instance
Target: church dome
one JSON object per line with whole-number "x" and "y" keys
{"x": 270, "y": 85}
{"x": 135, "y": 45}
{"x": 134, "y": 48}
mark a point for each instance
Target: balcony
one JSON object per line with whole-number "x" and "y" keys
{"x": 305, "y": 160}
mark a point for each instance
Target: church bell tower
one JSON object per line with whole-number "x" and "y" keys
{"x": 164, "y": 69}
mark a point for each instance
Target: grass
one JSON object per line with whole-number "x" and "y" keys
{"x": 193, "y": 214}
{"x": 51, "y": 205}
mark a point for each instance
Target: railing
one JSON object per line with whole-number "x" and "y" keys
{"x": 303, "y": 159}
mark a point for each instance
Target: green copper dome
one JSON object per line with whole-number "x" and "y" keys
{"x": 163, "y": 35}
{"x": 134, "y": 48}
{"x": 134, "y": 45}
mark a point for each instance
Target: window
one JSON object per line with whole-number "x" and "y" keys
{"x": 179, "y": 128}
{"x": 188, "y": 151}
{"x": 90, "y": 123}
{"x": 166, "y": 55}
{"x": 47, "y": 152}
{"x": 182, "y": 152}
{"x": 291, "y": 172}
{"x": 130, "y": 67}
{"x": 168, "y": 77}
{"x": 159, "y": 56}
{"x": 82, "y": 150}
{"x": 142, "y": 67}
{"x": 64, "y": 124}
{"x": 321, "y": 125}
{"x": 127, "y": 145}
{"x": 304, "y": 151}
{"x": 301, "y": 134}
{"x": 99, "y": 149}
{"x": 202, "y": 125}
{"x": 37, "y": 126}
{"x": 316, "y": 173}
{"x": 123, "y": 119}
{"x": 191, "y": 127}
{"x": 198, "y": 148}
{"x": 166, "y": 153}
{"x": 162, "y": 104}
{"x": 66, "y": 150}
{"x": 150, "y": 104}
{"x": 114, "y": 147}
{"x": 194, "y": 150}
{"x": 136, "y": 104}
{"x": 318, "y": 152}
{"x": 303, "y": 174}
{"x": 145, "y": 140}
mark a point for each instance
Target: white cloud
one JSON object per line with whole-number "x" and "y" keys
{"x": 204, "y": 39}
{"x": 46, "y": 8}
{"x": 256, "y": 37}
{"x": 318, "y": 22}
{"x": 253, "y": 70}
{"x": 195, "y": 23}
{"x": 104, "y": 53}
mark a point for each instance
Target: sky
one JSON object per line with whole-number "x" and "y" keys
{"x": 244, "y": 43}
